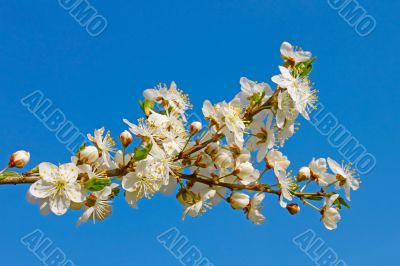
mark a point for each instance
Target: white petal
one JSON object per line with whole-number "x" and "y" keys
{"x": 285, "y": 73}
{"x": 48, "y": 171}
{"x": 335, "y": 167}
{"x": 59, "y": 204}
{"x": 129, "y": 182}
{"x": 85, "y": 216}
{"x": 286, "y": 49}
{"x": 170, "y": 188}
{"x": 75, "y": 193}
{"x": 151, "y": 94}
{"x": 131, "y": 198}
{"x": 280, "y": 119}
{"x": 41, "y": 189}
{"x": 69, "y": 172}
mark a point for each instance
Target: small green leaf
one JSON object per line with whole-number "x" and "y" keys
{"x": 115, "y": 191}
{"x": 141, "y": 154}
{"x": 343, "y": 202}
{"x": 267, "y": 186}
{"x": 304, "y": 68}
{"x": 314, "y": 197}
{"x": 148, "y": 105}
{"x": 97, "y": 184}
{"x": 8, "y": 174}
{"x": 256, "y": 98}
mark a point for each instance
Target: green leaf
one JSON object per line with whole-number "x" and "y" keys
{"x": 341, "y": 202}
{"x": 115, "y": 191}
{"x": 256, "y": 98}
{"x": 8, "y": 174}
{"x": 97, "y": 184}
{"x": 148, "y": 105}
{"x": 141, "y": 105}
{"x": 304, "y": 68}
{"x": 141, "y": 154}
{"x": 314, "y": 197}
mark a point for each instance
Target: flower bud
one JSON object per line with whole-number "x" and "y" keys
{"x": 195, "y": 127}
{"x": 126, "y": 138}
{"x": 293, "y": 208}
{"x": 19, "y": 159}
{"x": 88, "y": 155}
{"x": 303, "y": 174}
{"x": 239, "y": 200}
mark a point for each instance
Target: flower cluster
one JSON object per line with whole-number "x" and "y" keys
{"x": 232, "y": 156}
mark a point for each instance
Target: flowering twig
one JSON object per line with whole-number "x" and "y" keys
{"x": 220, "y": 164}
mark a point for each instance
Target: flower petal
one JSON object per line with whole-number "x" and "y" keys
{"x": 48, "y": 171}
{"x": 41, "y": 189}
{"x": 59, "y": 204}
{"x": 69, "y": 172}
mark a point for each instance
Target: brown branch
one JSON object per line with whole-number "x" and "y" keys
{"x": 27, "y": 178}
{"x": 255, "y": 187}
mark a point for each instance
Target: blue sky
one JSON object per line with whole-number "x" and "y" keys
{"x": 205, "y": 46}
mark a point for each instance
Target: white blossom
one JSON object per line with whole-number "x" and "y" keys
{"x": 299, "y": 90}
{"x": 239, "y": 200}
{"x": 345, "y": 176}
{"x": 288, "y": 52}
{"x": 330, "y": 216}
{"x": 105, "y": 144}
{"x": 318, "y": 170}
{"x": 246, "y": 173}
{"x": 98, "y": 206}
{"x": 263, "y": 136}
{"x": 89, "y": 154}
{"x": 254, "y": 212}
{"x": 59, "y": 186}
{"x": 286, "y": 185}
{"x": 251, "y": 90}
{"x": 172, "y": 97}
{"x": 145, "y": 181}
{"x": 276, "y": 160}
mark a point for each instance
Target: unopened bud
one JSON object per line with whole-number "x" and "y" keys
{"x": 293, "y": 208}
{"x": 303, "y": 174}
{"x": 19, "y": 159}
{"x": 126, "y": 138}
{"x": 195, "y": 127}
{"x": 239, "y": 200}
{"x": 88, "y": 155}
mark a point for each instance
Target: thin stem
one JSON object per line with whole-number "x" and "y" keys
{"x": 187, "y": 142}
{"x": 305, "y": 185}
{"x": 5, "y": 169}
{"x": 312, "y": 205}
